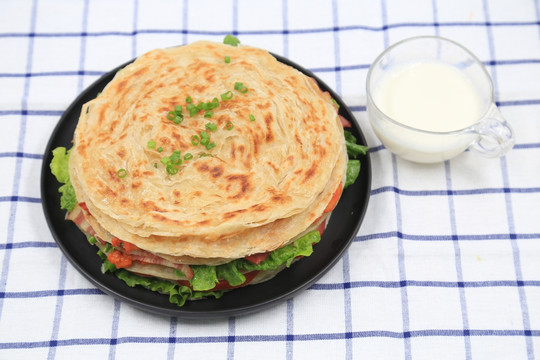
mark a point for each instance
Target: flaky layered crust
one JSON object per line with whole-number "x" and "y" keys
{"x": 266, "y": 182}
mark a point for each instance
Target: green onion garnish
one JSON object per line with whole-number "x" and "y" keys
{"x": 211, "y": 126}
{"x": 160, "y": 149}
{"x": 227, "y": 96}
{"x": 171, "y": 115}
{"x": 107, "y": 248}
{"x": 195, "y": 140}
{"x": 211, "y": 146}
{"x": 155, "y": 165}
{"x": 227, "y": 59}
{"x": 188, "y": 156}
{"x": 205, "y": 155}
{"x": 178, "y": 119}
{"x": 165, "y": 160}
{"x": 189, "y": 100}
{"x": 151, "y": 144}
{"x": 92, "y": 240}
{"x": 251, "y": 117}
{"x": 208, "y": 114}
{"x": 240, "y": 87}
{"x": 231, "y": 40}
{"x": 229, "y": 125}
{"x": 335, "y": 103}
{"x": 175, "y": 158}
{"x": 171, "y": 169}
{"x": 121, "y": 173}
{"x": 192, "y": 110}
{"x": 205, "y": 138}
{"x": 178, "y": 109}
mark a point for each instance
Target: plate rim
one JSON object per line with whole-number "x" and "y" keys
{"x": 73, "y": 111}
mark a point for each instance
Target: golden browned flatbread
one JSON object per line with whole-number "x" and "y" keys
{"x": 278, "y": 158}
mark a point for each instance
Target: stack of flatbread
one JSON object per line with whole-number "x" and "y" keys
{"x": 197, "y": 156}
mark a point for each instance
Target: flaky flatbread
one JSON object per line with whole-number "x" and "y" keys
{"x": 279, "y": 153}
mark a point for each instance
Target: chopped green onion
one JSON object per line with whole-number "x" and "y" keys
{"x": 160, "y": 149}
{"x": 205, "y": 155}
{"x": 208, "y": 114}
{"x": 155, "y": 165}
{"x": 195, "y": 140}
{"x": 251, "y": 117}
{"x": 92, "y": 240}
{"x": 171, "y": 169}
{"x": 205, "y": 138}
{"x": 189, "y": 100}
{"x": 240, "y": 87}
{"x": 192, "y": 110}
{"x": 151, "y": 144}
{"x": 211, "y": 146}
{"x": 121, "y": 173}
{"x": 227, "y": 96}
{"x": 178, "y": 119}
{"x": 171, "y": 115}
{"x": 165, "y": 160}
{"x": 201, "y": 106}
{"x": 107, "y": 248}
{"x": 231, "y": 40}
{"x": 211, "y": 126}
{"x": 229, "y": 125}
{"x": 178, "y": 109}
{"x": 188, "y": 156}
{"x": 176, "y": 158}
{"x": 335, "y": 103}
{"x": 227, "y": 59}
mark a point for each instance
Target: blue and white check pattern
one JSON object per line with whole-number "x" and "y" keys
{"x": 445, "y": 266}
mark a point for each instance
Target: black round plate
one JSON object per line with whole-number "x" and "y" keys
{"x": 339, "y": 234}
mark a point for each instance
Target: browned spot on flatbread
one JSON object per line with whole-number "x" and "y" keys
{"x": 269, "y": 119}
{"x": 217, "y": 171}
{"x": 242, "y": 182}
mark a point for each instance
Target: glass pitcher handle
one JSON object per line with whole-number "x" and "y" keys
{"x": 495, "y": 137}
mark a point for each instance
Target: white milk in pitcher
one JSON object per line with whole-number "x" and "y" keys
{"x": 430, "y": 96}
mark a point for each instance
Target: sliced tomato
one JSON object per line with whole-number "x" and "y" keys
{"x": 119, "y": 259}
{"x": 83, "y": 206}
{"x": 129, "y": 246}
{"x": 344, "y": 122}
{"x": 257, "y": 258}
{"x": 321, "y": 227}
{"x": 335, "y": 198}
{"x": 116, "y": 242}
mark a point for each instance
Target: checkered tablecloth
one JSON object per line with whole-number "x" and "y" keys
{"x": 446, "y": 264}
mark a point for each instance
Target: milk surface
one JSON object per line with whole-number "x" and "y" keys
{"x": 430, "y": 96}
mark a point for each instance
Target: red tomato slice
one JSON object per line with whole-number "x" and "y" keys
{"x": 344, "y": 122}
{"x": 119, "y": 260}
{"x": 257, "y": 258}
{"x": 335, "y": 198}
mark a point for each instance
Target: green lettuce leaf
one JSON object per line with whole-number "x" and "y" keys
{"x": 302, "y": 246}
{"x": 204, "y": 277}
{"x": 353, "y": 170}
{"x": 59, "y": 164}
{"x": 59, "y": 168}
{"x": 230, "y": 273}
{"x": 178, "y": 294}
